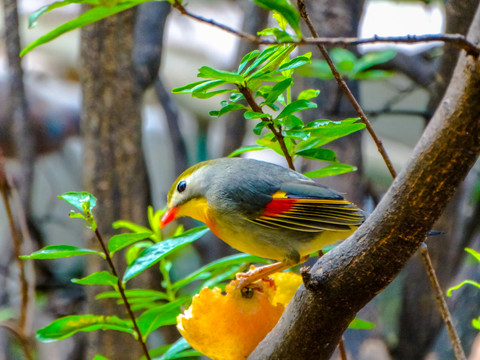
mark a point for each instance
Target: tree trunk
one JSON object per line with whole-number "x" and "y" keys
{"x": 114, "y": 167}
{"x": 349, "y": 276}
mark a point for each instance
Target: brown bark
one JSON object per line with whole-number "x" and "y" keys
{"x": 418, "y": 310}
{"x": 349, "y": 276}
{"x": 114, "y": 167}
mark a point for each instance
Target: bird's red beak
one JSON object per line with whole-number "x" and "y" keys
{"x": 168, "y": 216}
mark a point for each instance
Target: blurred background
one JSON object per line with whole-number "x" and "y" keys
{"x": 54, "y": 151}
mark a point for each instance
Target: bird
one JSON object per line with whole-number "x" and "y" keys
{"x": 262, "y": 209}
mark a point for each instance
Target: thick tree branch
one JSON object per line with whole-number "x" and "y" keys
{"x": 349, "y": 276}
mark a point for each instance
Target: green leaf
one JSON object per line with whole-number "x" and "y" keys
{"x": 269, "y": 141}
{"x": 187, "y": 89}
{"x": 330, "y": 170}
{"x": 266, "y": 54}
{"x": 292, "y": 122}
{"x": 32, "y": 19}
{"x": 318, "y": 154}
{"x": 308, "y": 94}
{"x": 98, "y": 278}
{"x": 248, "y": 57}
{"x": 373, "y": 75}
{"x": 257, "y": 130}
{"x": 272, "y": 62}
{"x": 361, "y": 324}
{"x": 208, "y": 95}
{"x": 161, "y": 315}
{"x": 280, "y": 35}
{"x": 344, "y": 60}
{"x": 75, "y": 215}
{"x": 227, "y": 109}
{"x": 245, "y": 149}
{"x": 200, "y": 91}
{"x": 372, "y": 59}
{"x": 278, "y": 90}
{"x": 219, "y": 264}
{"x": 155, "y": 253}
{"x": 476, "y": 323}
{"x": 135, "y": 249}
{"x": 296, "y": 62}
{"x": 78, "y": 198}
{"x": 474, "y": 253}
{"x": 119, "y": 224}
{"x": 285, "y": 9}
{"x": 227, "y": 76}
{"x": 100, "y": 357}
{"x": 295, "y": 106}
{"x": 177, "y": 347}
{"x": 67, "y": 326}
{"x": 321, "y": 132}
{"x": 318, "y": 69}
{"x": 134, "y": 295}
{"x": 88, "y": 17}
{"x": 59, "y": 251}
{"x": 157, "y": 352}
{"x": 464, "y": 282}
{"x": 118, "y": 242}
{"x": 187, "y": 354}
{"x": 255, "y": 115}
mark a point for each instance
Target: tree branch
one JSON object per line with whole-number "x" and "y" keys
{"x": 5, "y": 190}
{"x": 349, "y": 276}
{"x": 442, "y": 305}
{"x": 457, "y": 40}
{"x": 276, "y": 132}
{"x": 348, "y": 93}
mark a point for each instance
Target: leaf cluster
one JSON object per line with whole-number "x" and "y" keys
{"x": 476, "y": 256}
{"x": 144, "y": 247}
{"x": 261, "y": 87}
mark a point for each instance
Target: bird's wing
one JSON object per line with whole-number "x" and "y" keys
{"x": 310, "y": 209}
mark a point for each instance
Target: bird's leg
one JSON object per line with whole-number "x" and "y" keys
{"x": 244, "y": 279}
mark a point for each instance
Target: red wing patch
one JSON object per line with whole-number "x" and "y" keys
{"x": 278, "y": 206}
{"x": 309, "y": 214}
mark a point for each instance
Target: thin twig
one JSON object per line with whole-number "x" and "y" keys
{"x": 442, "y": 304}
{"x": 177, "y": 5}
{"x": 276, "y": 132}
{"x": 121, "y": 290}
{"x": 341, "y": 349}
{"x": 457, "y": 40}
{"x": 343, "y": 85}
{"x": 17, "y": 245}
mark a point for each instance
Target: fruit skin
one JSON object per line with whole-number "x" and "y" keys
{"x": 230, "y": 326}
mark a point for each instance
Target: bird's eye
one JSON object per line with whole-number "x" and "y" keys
{"x": 182, "y": 185}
